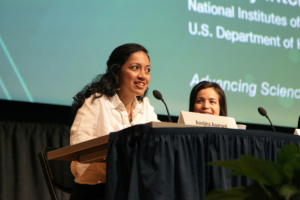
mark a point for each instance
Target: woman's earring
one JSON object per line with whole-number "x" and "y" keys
{"x": 118, "y": 88}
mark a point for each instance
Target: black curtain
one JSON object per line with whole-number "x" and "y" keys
{"x": 171, "y": 163}
{"x": 21, "y": 176}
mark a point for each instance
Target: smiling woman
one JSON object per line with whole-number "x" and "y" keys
{"x": 113, "y": 101}
{"x": 134, "y": 77}
{"x": 208, "y": 98}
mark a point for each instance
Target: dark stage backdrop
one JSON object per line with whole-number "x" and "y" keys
{"x": 21, "y": 176}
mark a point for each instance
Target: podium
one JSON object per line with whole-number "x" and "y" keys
{"x": 148, "y": 162}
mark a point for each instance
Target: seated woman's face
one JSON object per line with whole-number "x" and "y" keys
{"x": 135, "y": 74}
{"x": 207, "y": 102}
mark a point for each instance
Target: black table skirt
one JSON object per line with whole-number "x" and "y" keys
{"x": 171, "y": 163}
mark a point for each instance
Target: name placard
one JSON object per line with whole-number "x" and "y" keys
{"x": 204, "y": 120}
{"x": 297, "y": 132}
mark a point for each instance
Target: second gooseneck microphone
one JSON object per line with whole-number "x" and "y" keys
{"x": 263, "y": 112}
{"x": 158, "y": 96}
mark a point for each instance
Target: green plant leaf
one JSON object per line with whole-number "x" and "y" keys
{"x": 287, "y": 153}
{"x": 288, "y": 190}
{"x": 273, "y": 172}
{"x": 289, "y": 168}
{"x": 292, "y": 167}
{"x": 263, "y": 172}
{"x": 296, "y": 173}
{"x": 232, "y": 194}
{"x": 295, "y": 197}
{"x": 235, "y": 173}
{"x": 230, "y": 164}
{"x": 256, "y": 192}
{"x": 280, "y": 181}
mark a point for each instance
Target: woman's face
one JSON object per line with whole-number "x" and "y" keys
{"x": 207, "y": 102}
{"x": 134, "y": 77}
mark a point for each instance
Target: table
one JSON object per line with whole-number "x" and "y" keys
{"x": 148, "y": 162}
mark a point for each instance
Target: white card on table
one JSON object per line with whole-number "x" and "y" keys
{"x": 204, "y": 120}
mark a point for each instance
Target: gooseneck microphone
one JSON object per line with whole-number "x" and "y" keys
{"x": 263, "y": 112}
{"x": 158, "y": 96}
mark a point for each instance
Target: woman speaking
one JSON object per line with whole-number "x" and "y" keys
{"x": 208, "y": 98}
{"x": 113, "y": 101}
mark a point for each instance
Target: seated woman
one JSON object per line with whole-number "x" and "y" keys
{"x": 208, "y": 98}
{"x": 113, "y": 101}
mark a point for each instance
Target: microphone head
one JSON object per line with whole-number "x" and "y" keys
{"x": 157, "y": 95}
{"x": 262, "y": 111}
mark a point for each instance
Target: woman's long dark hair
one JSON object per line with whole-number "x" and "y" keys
{"x": 203, "y": 85}
{"x": 107, "y": 84}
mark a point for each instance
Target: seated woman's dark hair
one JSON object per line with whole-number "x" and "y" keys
{"x": 107, "y": 84}
{"x": 203, "y": 85}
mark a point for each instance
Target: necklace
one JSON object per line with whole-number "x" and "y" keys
{"x": 130, "y": 117}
